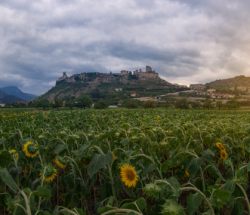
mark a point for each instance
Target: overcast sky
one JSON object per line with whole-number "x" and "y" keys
{"x": 186, "y": 41}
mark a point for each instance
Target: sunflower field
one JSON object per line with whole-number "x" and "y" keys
{"x": 107, "y": 162}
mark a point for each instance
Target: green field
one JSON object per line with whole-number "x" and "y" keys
{"x": 152, "y": 161}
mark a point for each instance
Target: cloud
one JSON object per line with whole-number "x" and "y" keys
{"x": 185, "y": 41}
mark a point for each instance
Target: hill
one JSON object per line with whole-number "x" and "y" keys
{"x": 237, "y": 84}
{"x": 114, "y": 86}
{"x": 12, "y": 94}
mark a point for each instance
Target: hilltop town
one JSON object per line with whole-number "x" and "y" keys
{"x": 124, "y": 76}
{"x": 112, "y": 86}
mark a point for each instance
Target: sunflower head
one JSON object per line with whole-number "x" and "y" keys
{"x": 152, "y": 190}
{"x": 49, "y": 173}
{"x": 30, "y": 149}
{"x": 171, "y": 207}
{"x": 223, "y": 155}
{"x": 59, "y": 163}
{"x": 220, "y": 146}
{"x": 128, "y": 175}
{"x": 14, "y": 154}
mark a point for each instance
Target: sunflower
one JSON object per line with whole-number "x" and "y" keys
{"x": 223, "y": 154}
{"x": 128, "y": 175}
{"x": 59, "y": 163}
{"x": 30, "y": 149}
{"x": 14, "y": 153}
{"x": 186, "y": 173}
{"x": 49, "y": 173}
{"x": 152, "y": 190}
{"x": 220, "y": 146}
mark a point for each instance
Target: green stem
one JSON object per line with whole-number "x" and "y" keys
{"x": 121, "y": 211}
{"x": 202, "y": 194}
{"x": 111, "y": 177}
{"x": 27, "y": 203}
{"x": 165, "y": 182}
{"x": 112, "y": 184}
{"x": 245, "y": 197}
{"x": 150, "y": 159}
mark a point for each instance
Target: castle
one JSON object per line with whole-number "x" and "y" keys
{"x": 124, "y": 76}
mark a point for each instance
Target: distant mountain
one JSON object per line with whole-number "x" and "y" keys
{"x": 239, "y": 83}
{"x": 113, "y": 86}
{"x": 12, "y": 94}
{"x": 7, "y": 99}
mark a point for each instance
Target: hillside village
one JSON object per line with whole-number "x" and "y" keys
{"x": 202, "y": 90}
{"x": 112, "y": 86}
{"x": 124, "y": 76}
{"x": 233, "y": 90}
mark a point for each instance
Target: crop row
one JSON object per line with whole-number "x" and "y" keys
{"x": 124, "y": 162}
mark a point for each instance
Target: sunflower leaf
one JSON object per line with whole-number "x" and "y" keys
{"x": 5, "y": 158}
{"x": 8, "y": 180}
{"x": 44, "y": 192}
{"x": 99, "y": 161}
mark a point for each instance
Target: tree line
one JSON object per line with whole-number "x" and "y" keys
{"x": 86, "y": 101}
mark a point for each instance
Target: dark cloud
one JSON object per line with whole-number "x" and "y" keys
{"x": 186, "y": 41}
{"x": 138, "y": 52}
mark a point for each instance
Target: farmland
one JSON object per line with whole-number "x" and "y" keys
{"x": 144, "y": 161}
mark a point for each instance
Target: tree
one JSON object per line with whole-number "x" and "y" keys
{"x": 232, "y": 104}
{"x": 100, "y": 104}
{"x": 149, "y": 104}
{"x": 19, "y": 104}
{"x": 131, "y": 103}
{"x": 69, "y": 103}
{"x": 195, "y": 104}
{"x": 96, "y": 94}
{"x": 43, "y": 103}
{"x": 207, "y": 104}
{"x": 182, "y": 104}
{"x": 219, "y": 104}
{"x": 58, "y": 103}
{"x": 84, "y": 101}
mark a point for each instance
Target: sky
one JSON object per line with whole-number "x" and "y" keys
{"x": 185, "y": 41}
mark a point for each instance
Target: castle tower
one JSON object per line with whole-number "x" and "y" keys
{"x": 149, "y": 69}
{"x": 124, "y": 72}
{"x": 64, "y": 76}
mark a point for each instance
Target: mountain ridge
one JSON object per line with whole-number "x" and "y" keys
{"x": 12, "y": 94}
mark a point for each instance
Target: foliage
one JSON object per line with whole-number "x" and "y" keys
{"x": 149, "y": 104}
{"x": 79, "y": 155}
{"x": 182, "y": 103}
{"x": 43, "y": 103}
{"x": 84, "y": 101}
{"x": 131, "y": 103}
{"x": 100, "y": 104}
{"x": 232, "y": 104}
{"x": 58, "y": 103}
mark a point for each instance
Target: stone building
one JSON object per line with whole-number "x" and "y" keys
{"x": 124, "y": 76}
{"x": 197, "y": 87}
{"x": 124, "y": 72}
{"x": 147, "y": 75}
